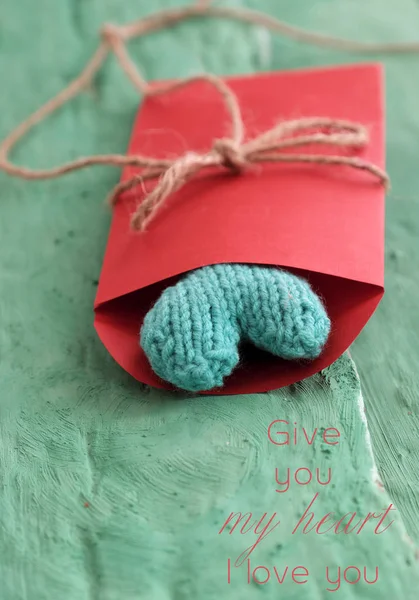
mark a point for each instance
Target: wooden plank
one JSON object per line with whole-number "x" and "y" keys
{"x": 131, "y": 502}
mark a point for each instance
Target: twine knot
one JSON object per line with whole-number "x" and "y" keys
{"x": 231, "y": 154}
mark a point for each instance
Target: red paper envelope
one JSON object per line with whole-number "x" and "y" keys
{"x": 323, "y": 222}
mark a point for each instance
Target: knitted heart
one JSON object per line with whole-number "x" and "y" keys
{"x": 191, "y": 334}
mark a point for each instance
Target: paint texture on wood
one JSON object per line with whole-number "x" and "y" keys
{"x": 86, "y": 513}
{"x": 127, "y": 495}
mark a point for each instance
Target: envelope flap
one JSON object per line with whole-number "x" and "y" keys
{"x": 327, "y": 219}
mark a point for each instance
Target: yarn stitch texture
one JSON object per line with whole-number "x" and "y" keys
{"x": 192, "y": 333}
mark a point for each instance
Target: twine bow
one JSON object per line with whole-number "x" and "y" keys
{"x": 237, "y": 156}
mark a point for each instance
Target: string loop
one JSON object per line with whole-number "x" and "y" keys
{"x": 230, "y": 152}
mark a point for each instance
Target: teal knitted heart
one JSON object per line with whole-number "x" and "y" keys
{"x": 191, "y": 334}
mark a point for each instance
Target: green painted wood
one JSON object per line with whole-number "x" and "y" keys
{"x": 123, "y": 493}
{"x": 72, "y": 423}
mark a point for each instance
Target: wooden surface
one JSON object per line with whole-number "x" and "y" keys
{"x": 72, "y": 449}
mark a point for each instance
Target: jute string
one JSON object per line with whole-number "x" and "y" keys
{"x": 232, "y": 152}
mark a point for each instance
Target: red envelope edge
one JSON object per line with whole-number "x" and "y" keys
{"x": 323, "y": 222}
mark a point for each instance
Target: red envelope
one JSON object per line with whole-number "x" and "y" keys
{"x": 323, "y": 222}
